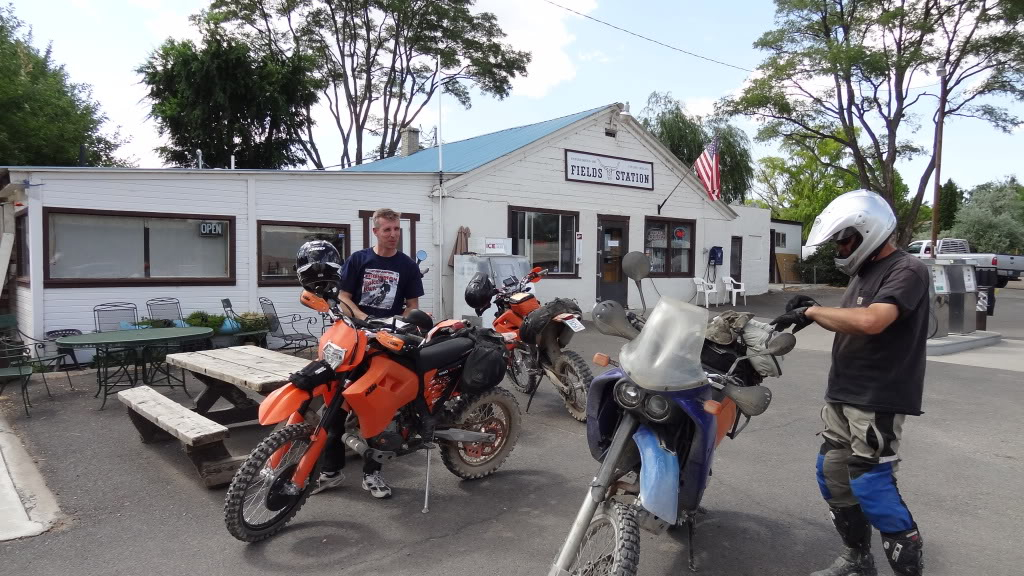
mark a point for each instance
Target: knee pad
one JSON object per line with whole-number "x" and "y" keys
{"x": 822, "y": 485}
{"x": 904, "y": 551}
{"x": 875, "y": 489}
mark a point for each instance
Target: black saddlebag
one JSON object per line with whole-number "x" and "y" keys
{"x": 485, "y": 367}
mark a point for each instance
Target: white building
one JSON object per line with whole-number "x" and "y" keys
{"x": 787, "y": 240}
{"x": 574, "y": 194}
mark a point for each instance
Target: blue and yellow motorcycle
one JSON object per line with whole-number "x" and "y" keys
{"x": 653, "y": 421}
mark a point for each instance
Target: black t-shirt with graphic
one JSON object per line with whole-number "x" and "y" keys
{"x": 884, "y": 372}
{"x": 379, "y": 285}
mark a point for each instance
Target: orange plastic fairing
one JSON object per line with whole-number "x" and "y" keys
{"x": 379, "y": 393}
{"x": 281, "y": 404}
{"x": 523, "y": 303}
{"x": 726, "y": 418}
{"x": 347, "y": 338}
{"x": 308, "y": 461}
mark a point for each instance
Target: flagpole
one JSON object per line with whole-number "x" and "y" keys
{"x": 440, "y": 202}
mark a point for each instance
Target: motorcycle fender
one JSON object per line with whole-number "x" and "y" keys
{"x": 659, "y": 476}
{"x": 281, "y": 404}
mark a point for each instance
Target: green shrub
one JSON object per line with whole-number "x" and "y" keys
{"x": 821, "y": 266}
{"x": 155, "y": 323}
{"x": 202, "y": 319}
{"x": 252, "y": 322}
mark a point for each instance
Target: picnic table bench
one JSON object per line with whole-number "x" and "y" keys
{"x": 226, "y": 373}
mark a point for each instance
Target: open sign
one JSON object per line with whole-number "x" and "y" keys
{"x": 211, "y": 228}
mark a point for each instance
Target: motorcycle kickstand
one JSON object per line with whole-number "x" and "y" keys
{"x": 429, "y": 447}
{"x": 691, "y": 522}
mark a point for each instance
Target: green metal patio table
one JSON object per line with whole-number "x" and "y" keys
{"x": 127, "y": 350}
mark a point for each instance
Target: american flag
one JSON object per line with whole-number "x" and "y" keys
{"x": 708, "y": 170}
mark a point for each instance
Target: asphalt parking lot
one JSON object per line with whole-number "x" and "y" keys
{"x": 130, "y": 508}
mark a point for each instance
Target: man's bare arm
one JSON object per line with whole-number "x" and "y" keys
{"x": 860, "y": 321}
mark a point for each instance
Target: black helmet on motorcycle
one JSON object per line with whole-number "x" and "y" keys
{"x": 318, "y": 266}
{"x": 479, "y": 292}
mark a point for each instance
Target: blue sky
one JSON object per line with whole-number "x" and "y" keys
{"x": 577, "y": 64}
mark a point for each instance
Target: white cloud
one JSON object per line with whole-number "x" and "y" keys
{"x": 700, "y": 106}
{"x": 594, "y": 56}
{"x": 540, "y": 29}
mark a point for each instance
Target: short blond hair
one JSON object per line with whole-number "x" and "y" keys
{"x": 385, "y": 214}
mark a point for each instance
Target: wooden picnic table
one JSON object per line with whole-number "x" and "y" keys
{"x": 229, "y": 372}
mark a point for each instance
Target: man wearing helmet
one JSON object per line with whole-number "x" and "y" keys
{"x": 876, "y": 380}
{"x": 378, "y": 282}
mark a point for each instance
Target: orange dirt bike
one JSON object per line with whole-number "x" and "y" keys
{"x": 536, "y": 335}
{"x": 397, "y": 392}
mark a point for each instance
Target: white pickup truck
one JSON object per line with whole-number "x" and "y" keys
{"x": 1009, "y": 266}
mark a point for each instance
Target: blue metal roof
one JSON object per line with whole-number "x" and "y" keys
{"x": 466, "y": 155}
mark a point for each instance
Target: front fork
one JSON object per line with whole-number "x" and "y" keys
{"x": 596, "y": 494}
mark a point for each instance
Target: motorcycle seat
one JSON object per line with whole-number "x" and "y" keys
{"x": 438, "y": 354}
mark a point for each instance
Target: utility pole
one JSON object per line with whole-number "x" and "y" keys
{"x": 938, "y": 159}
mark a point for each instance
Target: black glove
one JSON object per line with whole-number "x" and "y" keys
{"x": 800, "y": 301}
{"x": 312, "y": 375}
{"x": 797, "y": 318}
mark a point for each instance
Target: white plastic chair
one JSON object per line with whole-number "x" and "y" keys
{"x": 706, "y": 288}
{"x": 733, "y": 287}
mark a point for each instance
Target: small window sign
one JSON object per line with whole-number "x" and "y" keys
{"x": 211, "y": 228}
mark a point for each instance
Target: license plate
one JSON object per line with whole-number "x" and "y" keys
{"x": 575, "y": 324}
{"x": 508, "y": 336}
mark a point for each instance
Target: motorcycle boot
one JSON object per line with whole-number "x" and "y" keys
{"x": 855, "y": 530}
{"x": 904, "y": 551}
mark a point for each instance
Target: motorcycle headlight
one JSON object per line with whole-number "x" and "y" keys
{"x": 628, "y": 395}
{"x": 657, "y": 407}
{"x": 334, "y": 355}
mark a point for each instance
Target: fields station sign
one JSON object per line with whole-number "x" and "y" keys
{"x": 601, "y": 169}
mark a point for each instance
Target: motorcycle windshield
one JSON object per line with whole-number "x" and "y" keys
{"x": 666, "y": 355}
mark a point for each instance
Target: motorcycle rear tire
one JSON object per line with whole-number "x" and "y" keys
{"x": 250, "y": 473}
{"x": 571, "y": 368}
{"x": 625, "y": 556}
{"x": 455, "y": 454}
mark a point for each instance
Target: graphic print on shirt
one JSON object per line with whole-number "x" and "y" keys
{"x": 379, "y": 288}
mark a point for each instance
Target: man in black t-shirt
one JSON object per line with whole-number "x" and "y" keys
{"x": 876, "y": 380}
{"x": 376, "y": 282}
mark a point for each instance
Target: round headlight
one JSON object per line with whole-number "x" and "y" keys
{"x": 657, "y": 407}
{"x": 628, "y": 394}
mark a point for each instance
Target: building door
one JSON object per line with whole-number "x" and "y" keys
{"x": 736, "y": 259}
{"x": 612, "y": 245}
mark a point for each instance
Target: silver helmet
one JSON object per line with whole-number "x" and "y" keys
{"x": 859, "y": 212}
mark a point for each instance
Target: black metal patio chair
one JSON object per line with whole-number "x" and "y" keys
{"x": 109, "y": 317}
{"x": 39, "y": 357}
{"x": 16, "y": 366}
{"x": 296, "y": 340}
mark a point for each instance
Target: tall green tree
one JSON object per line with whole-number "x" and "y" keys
{"x": 379, "y": 62}
{"x": 845, "y": 71}
{"x": 687, "y": 136}
{"x": 46, "y": 119}
{"x": 991, "y": 219}
{"x": 800, "y": 186}
{"x": 951, "y": 198}
{"x": 225, "y": 99}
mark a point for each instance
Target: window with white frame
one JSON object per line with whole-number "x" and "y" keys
{"x": 279, "y": 241}
{"x": 546, "y": 237}
{"x": 780, "y": 239}
{"x": 99, "y": 248}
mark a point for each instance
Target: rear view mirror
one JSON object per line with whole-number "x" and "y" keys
{"x": 636, "y": 265}
{"x": 421, "y": 255}
{"x": 610, "y": 319}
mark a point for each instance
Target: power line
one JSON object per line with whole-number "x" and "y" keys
{"x": 687, "y": 52}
